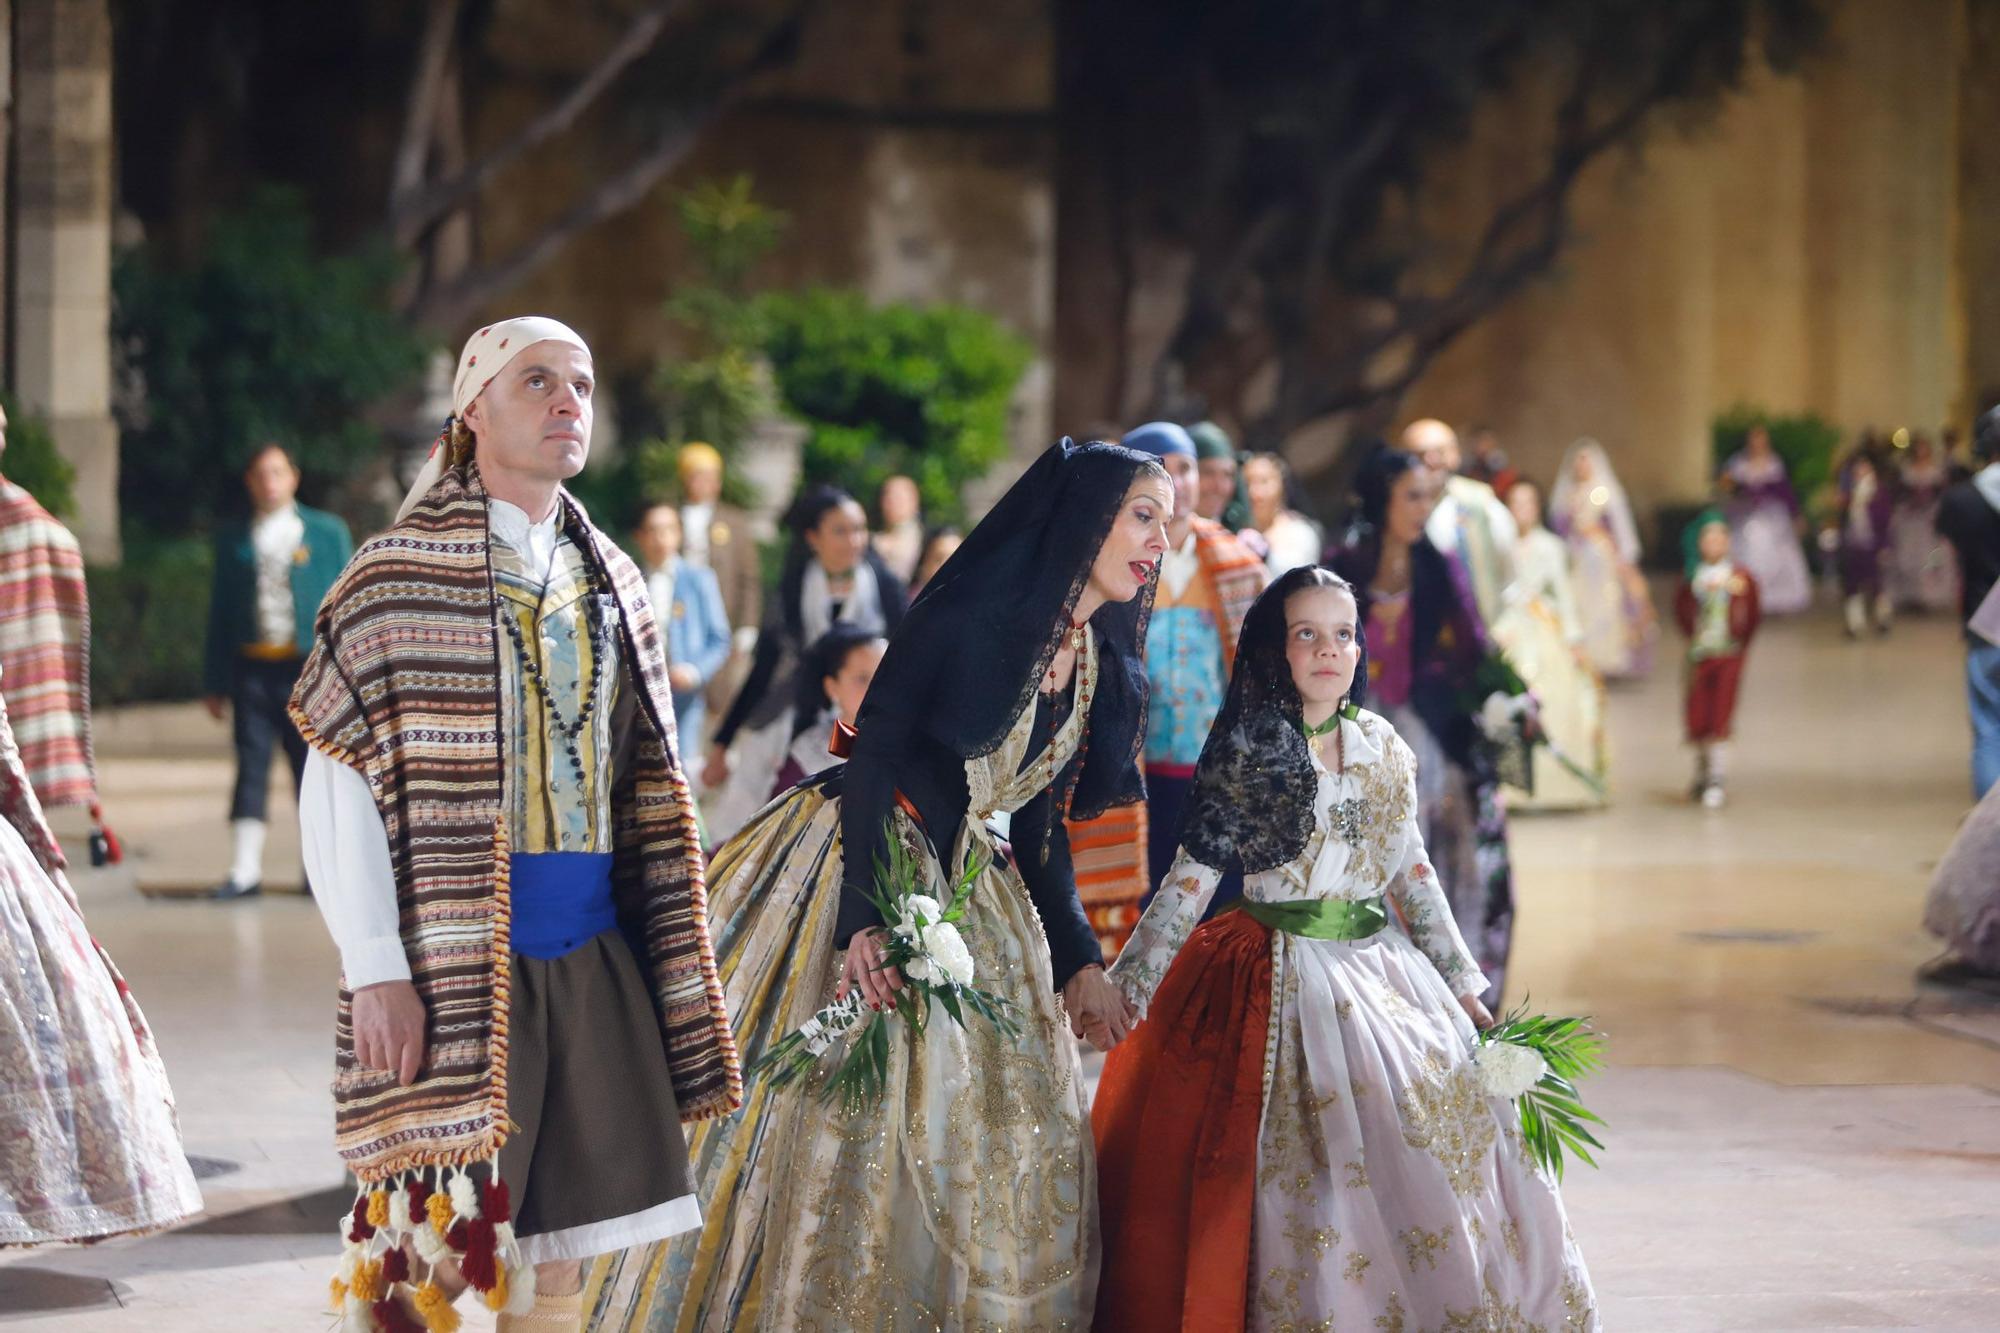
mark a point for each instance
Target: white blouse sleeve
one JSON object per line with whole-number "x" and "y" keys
{"x": 347, "y": 859}
{"x": 1168, "y": 921}
{"x": 1420, "y": 901}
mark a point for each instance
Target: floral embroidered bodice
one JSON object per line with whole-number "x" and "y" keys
{"x": 1002, "y": 780}
{"x": 1365, "y": 844}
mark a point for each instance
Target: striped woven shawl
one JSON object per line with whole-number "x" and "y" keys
{"x": 45, "y": 648}
{"x": 403, "y": 683}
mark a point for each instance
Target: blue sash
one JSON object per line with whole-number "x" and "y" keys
{"x": 560, "y": 901}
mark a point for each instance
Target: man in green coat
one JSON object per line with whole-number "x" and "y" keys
{"x": 271, "y": 572}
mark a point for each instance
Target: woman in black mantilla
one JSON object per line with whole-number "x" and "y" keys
{"x": 1426, "y": 643}
{"x": 967, "y": 1197}
{"x": 831, "y": 576}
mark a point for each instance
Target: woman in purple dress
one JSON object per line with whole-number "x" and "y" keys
{"x": 1764, "y": 523}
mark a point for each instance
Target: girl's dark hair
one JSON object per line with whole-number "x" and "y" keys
{"x": 1376, "y": 482}
{"x": 827, "y": 657}
{"x": 812, "y": 507}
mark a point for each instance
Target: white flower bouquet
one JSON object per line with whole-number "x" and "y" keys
{"x": 1534, "y": 1061}
{"x": 923, "y": 944}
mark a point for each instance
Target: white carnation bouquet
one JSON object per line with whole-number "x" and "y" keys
{"x": 1535, "y": 1061}
{"x": 923, "y": 943}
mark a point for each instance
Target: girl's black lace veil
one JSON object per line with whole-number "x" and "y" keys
{"x": 1252, "y": 800}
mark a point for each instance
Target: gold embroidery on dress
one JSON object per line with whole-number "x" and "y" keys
{"x": 1391, "y": 1319}
{"x": 1446, "y": 1114}
{"x": 1510, "y": 1236}
{"x": 1357, "y": 1266}
{"x": 1492, "y": 1316}
{"x": 1357, "y": 1176}
{"x": 1425, "y": 1245}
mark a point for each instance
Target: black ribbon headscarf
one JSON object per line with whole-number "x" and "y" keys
{"x": 1252, "y": 800}
{"x": 983, "y": 631}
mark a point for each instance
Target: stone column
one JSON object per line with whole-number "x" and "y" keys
{"x": 61, "y": 222}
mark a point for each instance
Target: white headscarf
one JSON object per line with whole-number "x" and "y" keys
{"x": 486, "y": 354}
{"x": 1618, "y": 510}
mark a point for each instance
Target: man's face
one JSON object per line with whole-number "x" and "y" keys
{"x": 1435, "y": 443}
{"x": 1181, "y": 470}
{"x": 1218, "y": 486}
{"x": 271, "y": 480}
{"x": 660, "y": 535}
{"x": 701, "y": 484}
{"x": 534, "y": 419}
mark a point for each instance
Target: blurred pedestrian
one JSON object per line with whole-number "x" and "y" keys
{"x": 1470, "y": 524}
{"x": 1292, "y": 538}
{"x": 45, "y": 645}
{"x": 831, "y": 687}
{"x": 1922, "y": 571}
{"x": 716, "y": 535}
{"x": 900, "y": 539}
{"x": 271, "y": 571}
{"x": 938, "y": 547}
{"x": 1718, "y": 607}
{"x": 1969, "y": 518}
{"x": 1866, "y": 510}
{"x": 1615, "y": 612}
{"x": 1766, "y": 522}
{"x": 687, "y": 602}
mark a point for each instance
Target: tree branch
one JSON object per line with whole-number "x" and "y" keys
{"x": 414, "y": 213}
{"x": 451, "y": 303}
{"x": 413, "y": 145}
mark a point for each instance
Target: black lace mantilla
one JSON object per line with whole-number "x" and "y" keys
{"x": 1252, "y": 800}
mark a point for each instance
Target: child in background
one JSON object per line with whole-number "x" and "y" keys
{"x": 838, "y": 671}
{"x": 1717, "y": 606}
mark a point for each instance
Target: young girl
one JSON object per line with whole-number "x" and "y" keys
{"x": 832, "y": 683}
{"x": 1542, "y": 636}
{"x": 1306, "y": 1055}
{"x": 1718, "y": 609}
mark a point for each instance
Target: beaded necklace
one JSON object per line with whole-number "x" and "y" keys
{"x": 567, "y": 733}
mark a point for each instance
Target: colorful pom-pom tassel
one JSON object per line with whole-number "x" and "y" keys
{"x": 480, "y": 1264}
{"x": 337, "y": 1292}
{"x": 395, "y": 1267}
{"x": 390, "y": 1317}
{"x": 378, "y": 1208}
{"x": 363, "y": 1228}
{"x": 464, "y": 1198}
{"x": 496, "y": 1299}
{"x": 430, "y": 1246}
{"x": 367, "y": 1284}
{"x": 435, "y": 1307}
{"x": 419, "y": 1197}
{"x": 521, "y": 1301}
{"x": 439, "y": 1209}
{"x": 495, "y": 1200}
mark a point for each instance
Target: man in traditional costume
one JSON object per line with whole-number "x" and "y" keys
{"x": 715, "y": 535}
{"x": 504, "y": 847}
{"x": 272, "y": 570}
{"x": 1470, "y": 524}
{"x": 45, "y": 646}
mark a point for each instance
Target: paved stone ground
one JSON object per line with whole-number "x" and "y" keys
{"x": 1801, "y": 1137}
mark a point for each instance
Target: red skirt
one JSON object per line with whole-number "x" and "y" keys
{"x": 1176, "y": 1119}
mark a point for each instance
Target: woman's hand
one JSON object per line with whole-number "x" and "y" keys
{"x": 1476, "y": 1010}
{"x": 1098, "y": 1010}
{"x": 865, "y": 971}
{"x": 716, "y": 771}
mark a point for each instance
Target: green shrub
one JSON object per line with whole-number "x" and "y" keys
{"x": 149, "y": 619}
{"x": 261, "y": 338}
{"x": 32, "y": 463}
{"x": 922, "y": 391}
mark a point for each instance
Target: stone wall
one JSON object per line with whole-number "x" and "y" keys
{"x": 1802, "y": 252}
{"x": 59, "y": 217}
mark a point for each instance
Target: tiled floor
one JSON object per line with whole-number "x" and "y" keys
{"x": 1800, "y": 1138}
